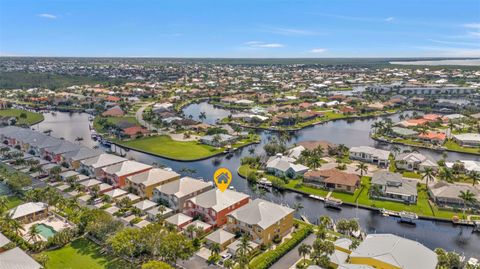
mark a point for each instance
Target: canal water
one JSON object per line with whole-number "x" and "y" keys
{"x": 350, "y": 133}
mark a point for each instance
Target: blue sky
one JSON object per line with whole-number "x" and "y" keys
{"x": 240, "y": 28}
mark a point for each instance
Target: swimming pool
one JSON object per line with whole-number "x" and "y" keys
{"x": 45, "y": 230}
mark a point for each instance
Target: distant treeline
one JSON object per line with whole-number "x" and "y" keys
{"x": 24, "y": 80}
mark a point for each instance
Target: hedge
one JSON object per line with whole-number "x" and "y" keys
{"x": 268, "y": 258}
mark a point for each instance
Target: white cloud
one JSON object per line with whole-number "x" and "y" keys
{"x": 456, "y": 43}
{"x": 318, "y": 50}
{"x": 259, "y": 44}
{"x": 288, "y": 31}
{"x": 48, "y": 16}
{"x": 390, "y": 19}
{"x": 472, "y": 25}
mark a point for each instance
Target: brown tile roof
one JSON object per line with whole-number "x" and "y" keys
{"x": 311, "y": 145}
{"x": 333, "y": 176}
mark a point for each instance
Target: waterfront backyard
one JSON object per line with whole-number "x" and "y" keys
{"x": 23, "y": 117}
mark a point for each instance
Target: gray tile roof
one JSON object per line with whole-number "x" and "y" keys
{"x": 262, "y": 213}
{"x": 17, "y": 259}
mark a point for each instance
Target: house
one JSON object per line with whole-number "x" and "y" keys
{"x": 468, "y": 165}
{"x": 73, "y": 158}
{"x": 235, "y": 245}
{"x": 370, "y": 155}
{"x": 115, "y": 111}
{"x": 284, "y": 166}
{"x": 17, "y": 258}
{"x": 93, "y": 166}
{"x": 312, "y": 145}
{"x": 55, "y": 152}
{"x": 4, "y": 241}
{"x": 220, "y": 237}
{"x": 145, "y": 205}
{"x": 199, "y": 225}
{"x": 134, "y": 131}
{"x": 467, "y": 140}
{"x": 218, "y": 140}
{"x": 213, "y": 206}
{"x": 435, "y": 137}
{"x": 404, "y": 132}
{"x": 177, "y": 192}
{"x": 332, "y": 179}
{"x": 116, "y": 194}
{"x": 392, "y": 186}
{"x": 116, "y": 174}
{"x": 29, "y": 212}
{"x": 262, "y": 220}
{"x": 448, "y": 194}
{"x": 162, "y": 211}
{"x": 388, "y": 251}
{"x": 414, "y": 161}
{"x": 179, "y": 220}
{"x": 143, "y": 183}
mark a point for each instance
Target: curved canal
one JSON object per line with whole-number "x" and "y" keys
{"x": 351, "y": 133}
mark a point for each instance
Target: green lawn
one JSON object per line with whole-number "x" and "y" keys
{"x": 31, "y": 119}
{"x": 165, "y": 146}
{"x": 81, "y": 254}
{"x": 452, "y": 145}
{"x": 13, "y": 201}
{"x": 112, "y": 120}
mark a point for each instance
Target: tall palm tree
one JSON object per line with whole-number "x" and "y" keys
{"x": 475, "y": 176}
{"x": 298, "y": 207}
{"x": 314, "y": 162}
{"x": 304, "y": 250}
{"x": 395, "y": 149}
{"x": 446, "y": 174}
{"x": 33, "y": 233}
{"x": 468, "y": 197}
{"x": 363, "y": 168}
{"x": 9, "y": 223}
{"x": 428, "y": 174}
{"x": 243, "y": 252}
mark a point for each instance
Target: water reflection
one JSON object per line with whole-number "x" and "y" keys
{"x": 431, "y": 233}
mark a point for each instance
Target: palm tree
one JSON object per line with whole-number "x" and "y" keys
{"x": 395, "y": 149}
{"x": 363, "y": 168}
{"x": 314, "y": 162}
{"x": 9, "y": 223}
{"x": 446, "y": 174}
{"x": 468, "y": 197}
{"x": 243, "y": 252}
{"x": 33, "y": 233}
{"x": 202, "y": 116}
{"x": 475, "y": 176}
{"x": 215, "y": 248}
{"x": 190, "y": 230}
{"x": 298, "y": 207}
{"x": 428, "y": 174}
{"x": 304, "y": 250}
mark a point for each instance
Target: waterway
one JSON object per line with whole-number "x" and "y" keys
{"x": 350, "y": 133}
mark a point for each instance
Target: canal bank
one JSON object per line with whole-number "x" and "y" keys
{"x": 432, "y": 233}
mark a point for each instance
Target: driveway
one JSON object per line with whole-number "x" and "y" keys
{"x": 196, "y": 262}
{"x": 290, "y": 259}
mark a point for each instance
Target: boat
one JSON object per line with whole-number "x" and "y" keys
{"x": 476, "y": 226}
{"x": 333, "y": 202}
{"x": 265, "y": 183}
{"x": 105, "y": 143}
{"x": 408, "y": 217}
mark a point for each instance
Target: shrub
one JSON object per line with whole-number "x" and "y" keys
{"x": 268, "y": 258}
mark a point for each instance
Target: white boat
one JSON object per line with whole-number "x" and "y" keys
{"x": 333, "y": 202}
{"x": 265, "y": 183}
{"x": 408, "y": 217}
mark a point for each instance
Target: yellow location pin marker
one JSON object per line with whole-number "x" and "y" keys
{"x": 222, "y": 178}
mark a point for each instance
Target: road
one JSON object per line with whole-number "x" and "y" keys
{"x": 289, "y": 259}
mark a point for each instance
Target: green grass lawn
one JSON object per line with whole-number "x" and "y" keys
{"x": 452, "y": 145}
{"x": 410, "y": 174}
{"x": 13, "y": 201}
{"x": 165, "y": 146}
{"x": 112, "y": 120}
{"x": 31, "y": 119}
{"x": 81, "y": 254}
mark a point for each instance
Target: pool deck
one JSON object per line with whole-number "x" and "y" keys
{"x": 53, "y": 221}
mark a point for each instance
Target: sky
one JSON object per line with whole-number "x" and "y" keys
{"x": 240, "y": 28}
